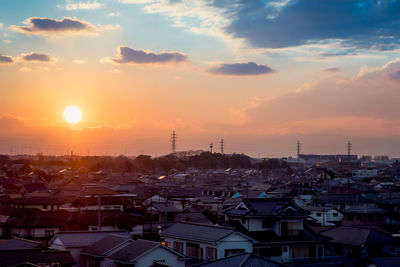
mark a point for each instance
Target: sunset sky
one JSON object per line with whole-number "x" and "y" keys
{"x": 259, "y": 74}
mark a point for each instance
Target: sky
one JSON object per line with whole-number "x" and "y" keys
{"x": 258, "y": 74}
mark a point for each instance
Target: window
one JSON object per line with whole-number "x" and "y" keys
{"x": 319, "y": 214}
{"x": 168, "y": 244}
{"x": 211, "y": 253}
{"x": 371, "y": 217}
{"x": 335, "y": 214}
{"x": 178, "y": 247}
{"x": 285, "y": 249}
{"x": 293, "y": 229}
{"x": 48, "y": 233}
{"x": 194, "y": 250}
{"x": 267, "y": 223}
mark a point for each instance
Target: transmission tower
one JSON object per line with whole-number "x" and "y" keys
{"x": 173, "y": 141}
{"x": 222, "y": 146}
{"x": 298, "y": 148}
{"x": 349, "y": 149}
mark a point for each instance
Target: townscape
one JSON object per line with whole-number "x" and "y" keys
{"x": 198, "y": 208}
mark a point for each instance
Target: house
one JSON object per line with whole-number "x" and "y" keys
{"x": 321, "y": 215}
{"x": 18, "y": 251}
{"x": 364, "y": 215}
{"x": 279, "y": 227}
{"x": 205, "y": 241}
{"x": 242, "y": 260}
{"x": 357, "y": 242}
{"x": 34, "y": 223}
{"x": 163, "y": 212}
{"x": 144, "y": 253}
{"x": 75, "y": 241}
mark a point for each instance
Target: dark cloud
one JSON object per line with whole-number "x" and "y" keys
{"x": 243, "y": 69}
{"x": 6, "y": 59}
{"x": 38, "y": 57}
{"x": 128, "y": 55}
{"x": 395, "y": 75}
{"x": 332, "y": 70}
{"x": 52, "y": 26}
{"x": 362, "y": 24}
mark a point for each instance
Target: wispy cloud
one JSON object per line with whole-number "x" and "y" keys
{"x": 332, "y": 70}
{"x": 79, "y": 61}
{"x": 128, "y": 55}
{"x": 242, "y": 69}
{"x": 114, "y": 14}
{"x": 54, "y": 27}
{"x": 78, "y": 5}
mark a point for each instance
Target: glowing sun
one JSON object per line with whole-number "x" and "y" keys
{"x": 72, "y": 114}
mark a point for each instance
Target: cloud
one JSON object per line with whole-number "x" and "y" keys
{"x": 128, "y": 55}
{"x": 78, "y": 5}
{"x": 65, "y": 26}
{"x": 288, "y": 23}
{"x": 1, "y": 26}
{"x": 332, "y": 70}
{"x": 38, "y": 57}
{"x": 4, "y": 59}
{"x": 361, "y": 105}
{"x": 360, "y": 23}
{"x": 113, "y": 14}
{"x": 242, "y": 69}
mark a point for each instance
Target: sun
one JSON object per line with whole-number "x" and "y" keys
{"x": 72, "y": 114}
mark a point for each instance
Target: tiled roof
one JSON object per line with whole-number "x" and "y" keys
{"x": 84, "y": 238}
{"x": 198, "y": 232}
{"x": 132, "y": 251}
{"x": 105, "y": 244}
{"x": 242, "y": 260}
{"x": 357, "y": 236}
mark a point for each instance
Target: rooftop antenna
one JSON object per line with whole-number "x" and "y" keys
{"x": 222, "y": 146}
{"x": 349, "y": 149}
{"x": 173, "y": 140}
{"x": 298, "y": 148}
{"x": 211, "y": 147}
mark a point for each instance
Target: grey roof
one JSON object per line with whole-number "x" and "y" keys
{"x": 198, "y": 232}
{"x": 134, "y": 250}
{"x": 105, "y": 244}
{"x": 268, "y": 207}
{"x": 242, "y": 260}
{"x": 357, "y": 236}
{"x": 163, "y": 207}
{"x": 364, "y": 209}
{"x": 84, "y": 238}
{"x": 19, "y": 243}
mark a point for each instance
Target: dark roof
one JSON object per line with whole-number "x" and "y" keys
{"x": 386, "y": 261}
{"x": 132, "y": 251}
{"x": 163, "y": 207}
{"x": 357, "y": 236}
{"x": 364, "y": 209}
{"x": 262, "y": 207}
{"x": 198, "y": 232}
{"x": 15, "y": 257}
{"x": 19, "y": 243}
{"x": 104, "y": 245}
{"x": 242, "y": 260}
{"x": 343, "y": 198}
{"x": 84, "y": 238}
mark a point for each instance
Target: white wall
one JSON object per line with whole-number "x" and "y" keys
{"x": 161, "y": 255}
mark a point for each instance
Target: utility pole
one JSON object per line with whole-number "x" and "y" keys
{"x": 173, "y": 141}
{"x": 222, "y": 146}
{"x": 211, "y": 147}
